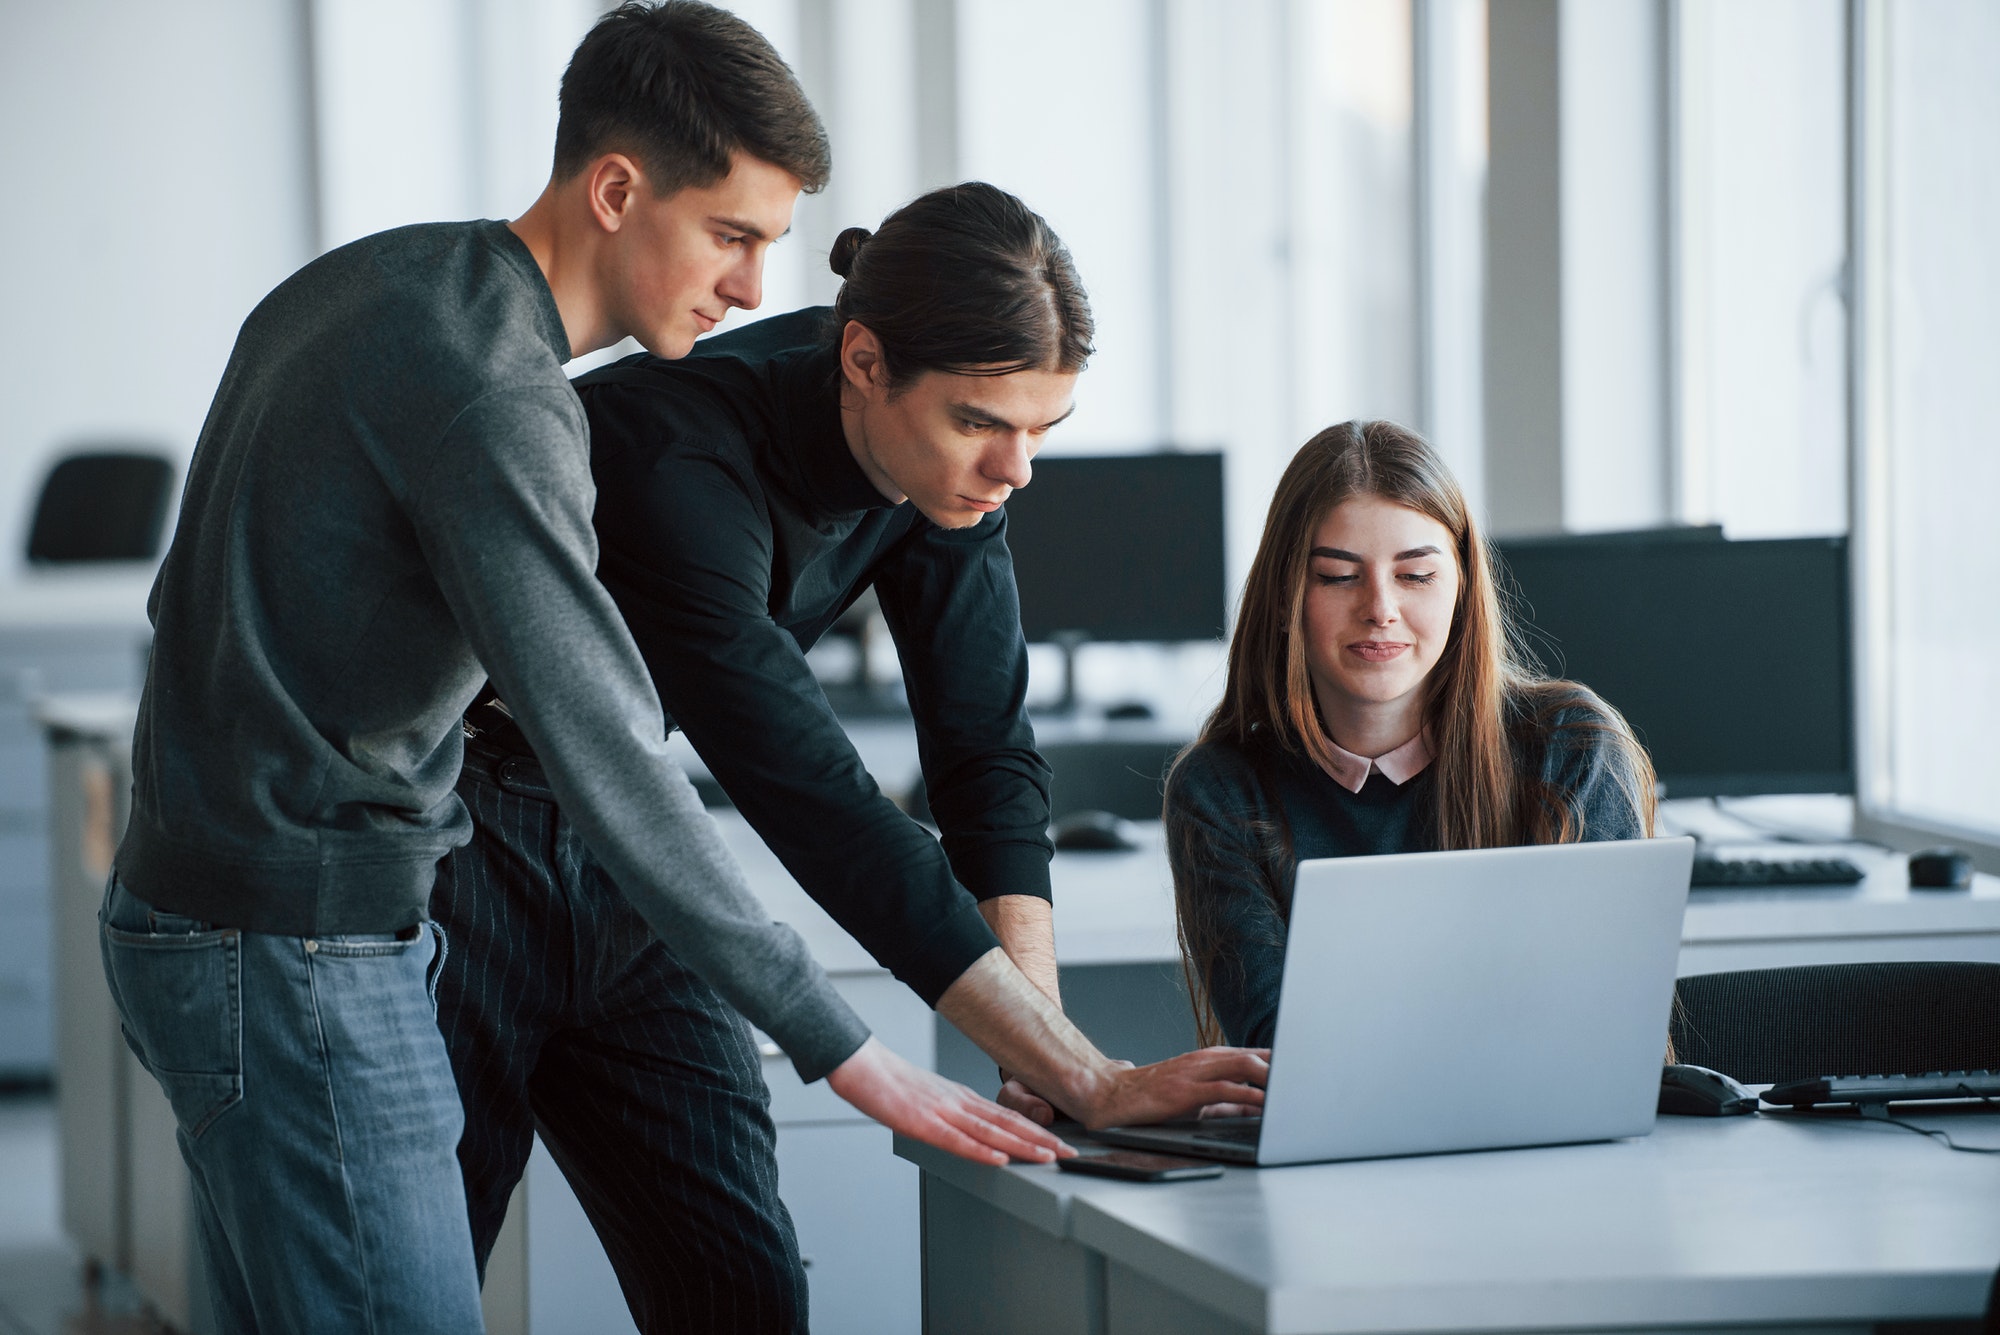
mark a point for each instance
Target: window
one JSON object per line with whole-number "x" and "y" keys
{"x": 1762, "y": 255}
{"x": 1934, "y": 468}
{"x": 1067, "y": 123}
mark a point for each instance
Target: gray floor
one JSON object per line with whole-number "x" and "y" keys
{"x": 41, "y": 1289}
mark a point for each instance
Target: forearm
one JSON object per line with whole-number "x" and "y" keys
{"x": 994, "y": 1004}
{"x": 1025, "y": 925}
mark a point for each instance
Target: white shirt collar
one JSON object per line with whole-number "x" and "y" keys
{"x": 1399, "y": 766}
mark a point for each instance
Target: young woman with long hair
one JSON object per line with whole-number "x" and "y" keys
{"x": 1376, "y": 702}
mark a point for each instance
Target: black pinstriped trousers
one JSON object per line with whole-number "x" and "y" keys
{"x": 564, "y": 1014}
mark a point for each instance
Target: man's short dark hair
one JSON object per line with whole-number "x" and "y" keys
{"x": 680, "y": 86}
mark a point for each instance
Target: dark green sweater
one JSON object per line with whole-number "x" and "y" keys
{"x": 1240, "y": 820}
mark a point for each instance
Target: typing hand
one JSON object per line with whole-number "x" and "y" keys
{"x": 1016, "y": 1095}
{"x": 1181, "y": 1087}
{"x": 927, "y": 1107}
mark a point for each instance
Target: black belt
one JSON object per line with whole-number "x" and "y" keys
{"x": 497, "y": 751}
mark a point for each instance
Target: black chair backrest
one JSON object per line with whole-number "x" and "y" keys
{"x": 101, "y": 507}
{"x": 1767, "y": 1025}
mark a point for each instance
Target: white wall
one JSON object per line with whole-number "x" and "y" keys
{"x": 432, "y": 110}
{"x": 155, "y": 156}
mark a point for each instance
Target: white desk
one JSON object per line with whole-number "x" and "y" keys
{"x": 855, "y": 1206}
{"x": 1720, "y": 1224}
{"x": 1115, "y": 941}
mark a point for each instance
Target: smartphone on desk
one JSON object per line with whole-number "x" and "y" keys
{"x": 1138, "y": 1166}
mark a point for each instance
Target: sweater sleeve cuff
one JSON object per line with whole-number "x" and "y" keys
{"x": 1007, "y": 869}
{"x": 819, "y": 1030}
{"x": 951, "y": 948}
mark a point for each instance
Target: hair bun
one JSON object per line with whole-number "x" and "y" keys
{"x": 845, "y": 247}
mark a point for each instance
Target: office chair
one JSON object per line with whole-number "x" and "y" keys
{"x": 101, "y": 506}
{"x": 1125, "y": 778}
{"x": 1766, "y": 1025}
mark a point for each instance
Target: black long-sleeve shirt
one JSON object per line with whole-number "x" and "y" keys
{"x": 735, "y": 528}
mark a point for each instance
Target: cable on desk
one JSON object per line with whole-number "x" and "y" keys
{"x": 1879, "y": 1112}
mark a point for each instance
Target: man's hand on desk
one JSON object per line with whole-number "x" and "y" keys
{"x": 1180, "y": 1087}
{"x": 925, "y": 1106}
{"x": 1146, "y": 1087}
{"x": 1021, "y": 1027}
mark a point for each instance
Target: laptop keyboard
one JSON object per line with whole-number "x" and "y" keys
{"x": 1886, "y": 1088}
{"x": 1232, "y": 1130}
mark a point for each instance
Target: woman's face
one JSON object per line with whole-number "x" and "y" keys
{"x": 1381, "y": 587}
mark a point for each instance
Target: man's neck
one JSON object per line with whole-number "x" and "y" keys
{"x": 854, "y": 429}
{"x": 564, "y": 260}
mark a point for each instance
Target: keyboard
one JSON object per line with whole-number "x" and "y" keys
{"x": 1886, "y": 1088}
{"x": 1230, "y": 1130}
{"x": 1745, "y": 872}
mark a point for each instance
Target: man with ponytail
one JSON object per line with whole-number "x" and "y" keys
{"x": 747, "y": 494}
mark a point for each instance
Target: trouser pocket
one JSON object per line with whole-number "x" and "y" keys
{"x": 179, "y": 998}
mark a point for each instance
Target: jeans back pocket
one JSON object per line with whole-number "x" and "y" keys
{"x": 180, "y": 1002}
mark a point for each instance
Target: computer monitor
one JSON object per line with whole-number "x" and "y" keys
{"x": 1731, "y": 660}
{"x": 1120, "y": 547}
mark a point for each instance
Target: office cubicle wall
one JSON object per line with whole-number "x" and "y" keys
{"x": 37, "y": 659}
{"x": 125, "y": 1197}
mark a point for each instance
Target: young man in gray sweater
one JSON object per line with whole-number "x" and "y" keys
{"x": 389, "y": 503}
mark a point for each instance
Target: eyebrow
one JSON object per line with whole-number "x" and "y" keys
{"x": 977, "y": 414}
{"x": 1337, "y": 554}
{"x": 747, "y": 228}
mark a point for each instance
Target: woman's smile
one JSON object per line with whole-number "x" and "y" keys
{"x": 1377, "y": 651}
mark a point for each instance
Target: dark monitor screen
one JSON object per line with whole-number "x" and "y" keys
{"x": 1120, "y": 547}
{"x": 1731, "y": 660}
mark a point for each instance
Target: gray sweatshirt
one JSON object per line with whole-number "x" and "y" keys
{"x": 391, "y": 501}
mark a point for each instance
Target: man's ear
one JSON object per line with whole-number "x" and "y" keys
{"x": 861, "y": 361}
{"x": 611, "y": 184}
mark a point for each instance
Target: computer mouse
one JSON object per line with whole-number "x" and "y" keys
{"x": 1696, "y": 1091}
{"x": 1091, "y": 831}
{"x": 1941, "y": 869}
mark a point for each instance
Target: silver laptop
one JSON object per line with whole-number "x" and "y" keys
{"x": 1463, "y": 1001}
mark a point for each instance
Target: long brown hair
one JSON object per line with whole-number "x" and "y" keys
{"x": 1484, "y": 701}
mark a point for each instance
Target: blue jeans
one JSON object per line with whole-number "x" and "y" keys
{"x": 317, "y": 1115}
